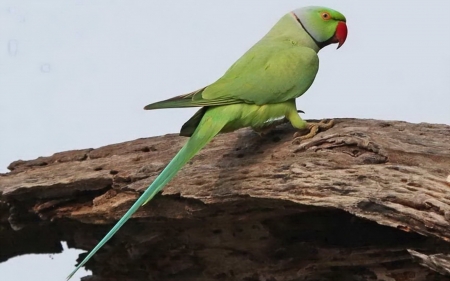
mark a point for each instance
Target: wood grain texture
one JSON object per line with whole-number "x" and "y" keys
{"x": 348, "y": 203}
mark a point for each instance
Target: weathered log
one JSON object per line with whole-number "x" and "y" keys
{"x": 346, "y": 205}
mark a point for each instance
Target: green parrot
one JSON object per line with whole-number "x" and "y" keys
{"x": 257, "y": 91}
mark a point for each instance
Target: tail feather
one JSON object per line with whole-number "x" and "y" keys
{"x": 191, "y": 125}
{"x": 206, "y": 130}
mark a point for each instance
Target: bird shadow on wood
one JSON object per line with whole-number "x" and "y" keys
{"x": 249, "y": 150}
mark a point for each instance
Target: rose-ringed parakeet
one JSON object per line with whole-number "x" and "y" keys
{"x": 258, "y": 89}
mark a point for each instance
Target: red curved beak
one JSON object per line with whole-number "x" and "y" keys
{"x": 341, "y": 33}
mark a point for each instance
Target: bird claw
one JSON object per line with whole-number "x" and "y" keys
{"x": 314, "y": 129}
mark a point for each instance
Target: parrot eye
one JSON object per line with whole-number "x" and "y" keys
{"x": 326, "y": 16}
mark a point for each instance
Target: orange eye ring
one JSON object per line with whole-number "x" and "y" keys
{"x": 325, "y": 16}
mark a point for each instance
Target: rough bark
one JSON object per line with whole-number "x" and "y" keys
{"x": 365, "y": 200}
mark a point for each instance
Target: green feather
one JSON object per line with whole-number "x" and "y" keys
{"x": 259, "y": 88}
{"x": 203, "y": 134}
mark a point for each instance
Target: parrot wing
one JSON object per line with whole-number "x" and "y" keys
{"x": 268, "y": 73}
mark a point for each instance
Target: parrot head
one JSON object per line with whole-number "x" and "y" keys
{"x": 324, "y": 25}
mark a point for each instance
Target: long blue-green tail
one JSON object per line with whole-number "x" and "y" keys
{"x": 206, "y": 130}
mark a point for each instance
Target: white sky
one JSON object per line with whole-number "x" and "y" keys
{"x": 76, "y": 74}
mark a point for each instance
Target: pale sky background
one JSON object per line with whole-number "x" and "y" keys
{"x": 76, "y": 73}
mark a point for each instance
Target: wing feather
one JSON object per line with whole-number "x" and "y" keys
{"x": 269, "y": 72}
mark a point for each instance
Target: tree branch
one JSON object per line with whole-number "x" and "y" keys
{"x": 283, "y": 201}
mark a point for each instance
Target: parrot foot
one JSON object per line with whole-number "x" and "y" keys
{"x": 264, "y": 130}
{"x": 314, "y": 129}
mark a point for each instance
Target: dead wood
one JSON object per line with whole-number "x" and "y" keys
{"x": 347, "y": 205}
